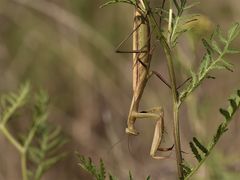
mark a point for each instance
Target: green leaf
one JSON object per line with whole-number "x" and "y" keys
{"x": 195, "y": 152}
{"x": 148, "y": 178}
{"x": 98, "y": 172}
{"x": 233, "y": 32}
{"x": 186, "y": 168}
{"x": 48, "y": 163}
{"x": 222, "y": 128}
{"x": 207, "y": 46}
{"x": 218, "y": 134}
{"x": 13, "y": 101}
{"x": 102, "y": 170}
{"x": 225, "y": 113}
{"x": 204, "y": 65}
{"x": 194, "y": 79}
{"x": 228, "y": 66}
{"x": 200, "y": 146}
{"x": 215, "y": 47}
{"x": 130, "y": 175}
{"x": 233, "y": 104}
{"x": 217, "y": 34}
{"x": 35, "y": 155}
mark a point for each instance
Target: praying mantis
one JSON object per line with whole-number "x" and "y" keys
{"x": 142, "y": 54}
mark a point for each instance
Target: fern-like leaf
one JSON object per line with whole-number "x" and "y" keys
{"x": 200, "y": 146}
{"x": 225, "y": 113}
{"x": 13, "y": 101}
{"x": 181, "y": 23}
{"x": 99, "y": 173}
{"x": 228, "y": 115}
{"x": 102, "y": 171}
{"x": 195, "y": 151}
{"x": 213, "y": 59}
{"x": 186, "y": 168}
{"x": 44, "y": 152}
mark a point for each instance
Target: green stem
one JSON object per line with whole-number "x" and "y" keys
{"x": 176, "y": 133}
{"x": 10, "y": 138}
{"x": 19, "y": 147}
{"x": 24, "y": 165}
{"x": 171, "y": 72}
{"x": 167, "y": 50}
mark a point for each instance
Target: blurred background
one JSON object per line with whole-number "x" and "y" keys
{"x": 67, "y": 47}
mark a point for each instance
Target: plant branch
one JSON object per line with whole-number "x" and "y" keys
{"x": 10, "y": 138}
{"x": 223, "y": 127}
{"x": 20, "y": 149}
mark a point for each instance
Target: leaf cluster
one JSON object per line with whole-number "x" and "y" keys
{"x": 181, "y": 22}
{"x": 200, "y": 151}
{"x": 98, "y": 172}
{"x": 40, "y": 145}
{"x": 46, "y": 151}
{"x": 214, "y": 58}
{"x": 13, "y": 101}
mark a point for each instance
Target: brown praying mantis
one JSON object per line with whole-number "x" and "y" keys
{"x": 142, "y": 54}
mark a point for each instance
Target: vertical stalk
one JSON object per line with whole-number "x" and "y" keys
{"x": 24, "y": 165}
{"x": 21, "y": 149}
{"x": 176, "y": 132}
{"x": 166, "y": 44}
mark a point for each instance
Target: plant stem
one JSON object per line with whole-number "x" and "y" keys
{"x": 176, "y": 133}
{"x": 175, "y": 97}
{"x": 19, "y": 148}
{"x": 24, "y": 165}
{"x": 168, "y": 52}
{"x": 171, "y": 72}
{"x": 10, "y": 138}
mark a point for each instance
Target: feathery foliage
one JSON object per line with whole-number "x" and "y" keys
{"x": 213, "y": 59}
{"x": 41, "y": 144}
{"x": 13, "y": 101}
{"x": 181, "y": 22}
{"x": 199, "y": 150}
{"x": 99, "y": 173}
